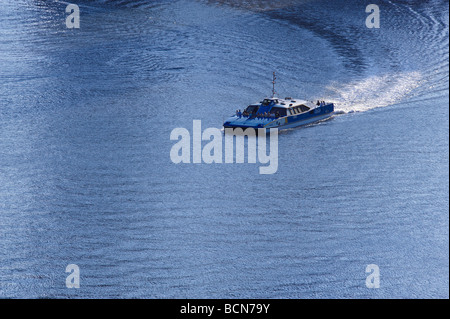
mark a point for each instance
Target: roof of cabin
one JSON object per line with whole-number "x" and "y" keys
{"x": 288, "y": 102}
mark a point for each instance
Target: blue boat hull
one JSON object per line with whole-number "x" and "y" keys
{"x": 290, "y": 121}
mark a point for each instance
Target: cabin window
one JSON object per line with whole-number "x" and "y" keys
{"x": 266, "y": 102}
{"x": 304, "y": 108}
{"x": 281, "y": 111}
{"x": 251, "y": 109}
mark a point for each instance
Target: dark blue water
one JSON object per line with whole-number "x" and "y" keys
{"x": 86, "y": 177}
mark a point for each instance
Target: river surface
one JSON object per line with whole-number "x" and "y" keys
{"x": 86, "y": 176}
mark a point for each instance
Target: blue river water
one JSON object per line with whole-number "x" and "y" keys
{"x": 86, "y": 176}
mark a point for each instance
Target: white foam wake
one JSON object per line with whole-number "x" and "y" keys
{"x": 374, "y": 92}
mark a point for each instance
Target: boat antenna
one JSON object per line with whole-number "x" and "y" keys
{"x": 273, "y": 85}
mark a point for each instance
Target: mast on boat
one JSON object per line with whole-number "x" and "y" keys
{"x": 273, "y": 85}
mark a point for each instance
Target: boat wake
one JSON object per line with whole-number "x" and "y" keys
{"x": 373, "y": 92}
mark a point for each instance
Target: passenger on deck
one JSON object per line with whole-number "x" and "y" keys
{"x": 318, "y": 103}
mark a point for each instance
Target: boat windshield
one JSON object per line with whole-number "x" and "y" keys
{"x": 251, "y": 109}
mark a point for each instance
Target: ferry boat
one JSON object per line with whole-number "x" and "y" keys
{"x": 280, "y": 113}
